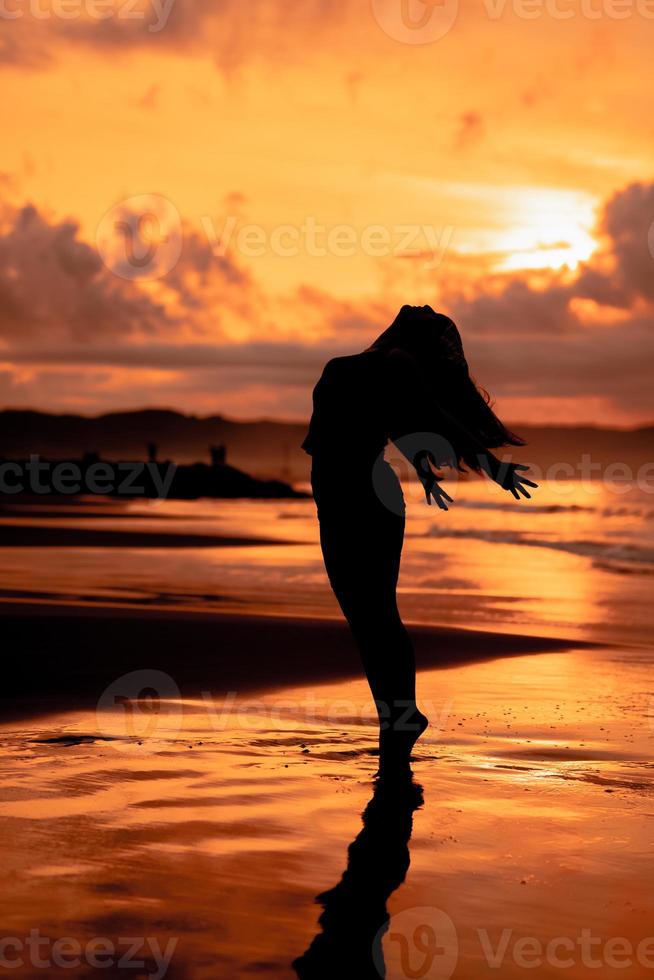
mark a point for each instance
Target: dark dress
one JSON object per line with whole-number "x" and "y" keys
{"x": 359, "y": 403}
{"x": 361, "y": 528}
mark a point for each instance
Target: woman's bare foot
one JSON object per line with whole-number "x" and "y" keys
{"x": 397, "y": 741}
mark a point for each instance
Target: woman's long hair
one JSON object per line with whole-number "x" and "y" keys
{"x": 435, "y": 342}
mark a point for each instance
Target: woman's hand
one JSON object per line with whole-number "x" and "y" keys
{"x": 506, "y": 475}
{"x": 423, "y": 464}
{"x": 436, "y": 491}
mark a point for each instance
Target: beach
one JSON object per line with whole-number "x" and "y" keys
{"x": 217, "y": 823}
{"x": 192, "y": 767}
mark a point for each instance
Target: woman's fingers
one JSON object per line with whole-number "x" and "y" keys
{"x": 523, "y": 479}
{"x": 446, "y": 495}
{"x": 436, "y": 494}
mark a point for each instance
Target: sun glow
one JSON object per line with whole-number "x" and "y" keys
{"x": 548, "y": 229}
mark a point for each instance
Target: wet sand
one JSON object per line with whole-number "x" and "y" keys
{"x": 47, "y": 536}
{"x": 179, "y": 767}
{"x": 215, "y": 822}
{"x": 57, "y": 655}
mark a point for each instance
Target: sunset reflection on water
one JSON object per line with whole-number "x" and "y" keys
{"x": 215, "y": 821}
{"x": 575, "y": 562}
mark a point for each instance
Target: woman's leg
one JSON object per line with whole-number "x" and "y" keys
{"x": 362, "y": 548}
{"x": 362, "y": 565}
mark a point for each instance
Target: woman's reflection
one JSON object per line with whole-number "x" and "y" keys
{"x": 355, "y": 909}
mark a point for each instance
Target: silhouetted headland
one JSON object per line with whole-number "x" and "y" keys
{"x": 130, "y": 478}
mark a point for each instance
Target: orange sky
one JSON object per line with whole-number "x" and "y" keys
{"x": 307, "y": 168}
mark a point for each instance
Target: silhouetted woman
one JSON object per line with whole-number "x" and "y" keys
{"x": 411, "y": 386}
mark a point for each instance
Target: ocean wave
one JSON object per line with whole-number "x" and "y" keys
{"x": 618, "y": 569}
{"x": 596, "y": 550}
{"x": 532, "y": 508}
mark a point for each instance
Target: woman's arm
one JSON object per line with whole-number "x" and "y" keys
{"x": 427, "y": 433}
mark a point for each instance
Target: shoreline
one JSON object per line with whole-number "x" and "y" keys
{"x": 46, "y": 536}
{"x": 70, "y": 654}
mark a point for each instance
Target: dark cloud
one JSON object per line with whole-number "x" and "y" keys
{"x": 517, "y": 307}
{"x": 294, "y": 358}
{"x": 63, "y": 314}
{"x": 233, "y": 31}
{"x": 53, "y": 286}
{"x": 628, "y": 220}
{"x": 614, "y": 364}
{"x": 55, "y": 289}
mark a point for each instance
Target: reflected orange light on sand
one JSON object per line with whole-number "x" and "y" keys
{"x": 531, "y": 796}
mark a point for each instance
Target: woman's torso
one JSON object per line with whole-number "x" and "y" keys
{"x": 349, "y": 411}
{"x": 346, "y": 439}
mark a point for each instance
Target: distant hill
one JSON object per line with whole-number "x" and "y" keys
{"x": 259, "y": 447}
{"x": 268, "y": 448}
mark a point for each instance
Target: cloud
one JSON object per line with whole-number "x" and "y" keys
{"x": 613, "y": 363}
{"x": 517, "y": 307}
{"x": 628, "y": 221}
{"x": 55, "y": 288}
{"x": 232, "y": 31}
{"x": 53, "y": 285}
{"x": 207, "y": 336}
{"x": 293, "y": 359}
{"x": 619, "y": 275}
{"x": 525, "y": 339}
